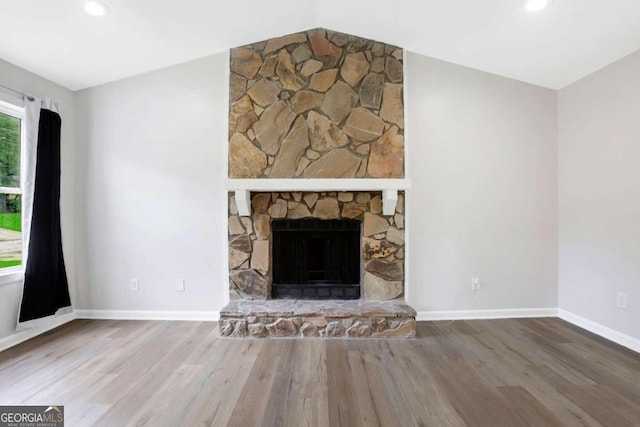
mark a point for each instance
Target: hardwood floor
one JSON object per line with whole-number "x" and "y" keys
{"x": 518, "y": 372}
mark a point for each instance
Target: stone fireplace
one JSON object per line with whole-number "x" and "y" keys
{"x": 316, "y": 136}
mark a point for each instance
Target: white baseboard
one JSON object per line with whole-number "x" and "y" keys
{"x": 598, "y": 329}
{"x": 487, "y": 314}
{"x": 148, "y": 315}
{"x": 26, "y": 334}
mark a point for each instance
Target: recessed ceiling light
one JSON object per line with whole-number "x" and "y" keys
{"x": 536, "y": 5}
{"x": 95, "y": 8}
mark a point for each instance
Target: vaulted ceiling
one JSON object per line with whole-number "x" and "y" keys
{"x": 553, "y": 48}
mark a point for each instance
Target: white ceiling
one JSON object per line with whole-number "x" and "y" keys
{"x": 552, "y": 48}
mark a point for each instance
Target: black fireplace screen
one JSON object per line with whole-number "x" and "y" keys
{"x": 316, "y": 259}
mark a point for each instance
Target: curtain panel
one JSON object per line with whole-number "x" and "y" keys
{"x": 45, "y": 288}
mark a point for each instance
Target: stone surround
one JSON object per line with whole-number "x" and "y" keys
{"x": 382, "y": 239}
{"x": 307, "y": 319}
{"x": 316, "y": 104}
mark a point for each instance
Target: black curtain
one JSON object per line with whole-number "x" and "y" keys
{"x": 45, "y": 282}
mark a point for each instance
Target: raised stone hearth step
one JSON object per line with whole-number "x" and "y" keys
{"x": 329, "y": 319}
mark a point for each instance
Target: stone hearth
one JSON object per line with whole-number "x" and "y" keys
{"x": 308, "y": 319}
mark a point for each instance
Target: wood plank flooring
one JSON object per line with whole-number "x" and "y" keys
{"x": 517, "y": 372}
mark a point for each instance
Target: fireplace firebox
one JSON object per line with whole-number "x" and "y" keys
{"x": 316, "y": 259}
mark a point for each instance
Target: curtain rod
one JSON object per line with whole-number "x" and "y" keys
{"x": 30, "y": 98}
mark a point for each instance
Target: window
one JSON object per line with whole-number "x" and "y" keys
{"x": 11, "y": 136}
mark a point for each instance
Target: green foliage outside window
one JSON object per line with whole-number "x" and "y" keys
{"x": 9, "y": 151}
{"x": 10, "y": 204}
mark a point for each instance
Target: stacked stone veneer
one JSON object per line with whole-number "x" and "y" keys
{"x": 382, "y": 241}
{"x": 316, "y": 104}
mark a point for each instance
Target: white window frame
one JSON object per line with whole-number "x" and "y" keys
{"x": 9, "y": 274}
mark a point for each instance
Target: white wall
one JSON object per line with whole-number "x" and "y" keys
{"x": 152, "y": 154}
{"x": 24, "y": 81}
{"x": 483, "y": 164}
{"x": 599, "y": 163}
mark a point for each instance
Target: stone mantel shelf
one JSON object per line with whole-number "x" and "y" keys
{"x": 242, "y": 188}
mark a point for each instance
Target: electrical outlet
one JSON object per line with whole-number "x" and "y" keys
{"x": 180, "y": 286}
{"x": 135, "y": 285}
{"x": 622, "y": 300}
{"x": 475, "y": 284}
